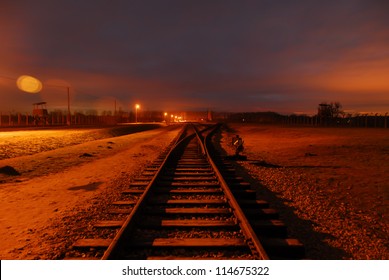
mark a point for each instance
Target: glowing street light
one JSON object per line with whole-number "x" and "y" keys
{"x": 29, "y": 84}
{"x": 136, "y": 112}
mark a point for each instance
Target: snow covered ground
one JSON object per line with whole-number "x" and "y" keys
{"x": 78, "y": 168}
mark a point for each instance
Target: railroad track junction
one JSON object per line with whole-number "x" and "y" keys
{"x": 190, "y": 204}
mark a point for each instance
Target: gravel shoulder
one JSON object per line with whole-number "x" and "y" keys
{"x": 330, "y": 185}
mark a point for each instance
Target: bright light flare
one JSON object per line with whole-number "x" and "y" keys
{"x": 29, "y": 84}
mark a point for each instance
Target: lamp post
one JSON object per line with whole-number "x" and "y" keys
{"x": 68, "y": 117}
{"x": 136, "y": 112}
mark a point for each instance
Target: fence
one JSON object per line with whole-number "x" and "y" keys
{"x": 378, "y": 121}
{"x": 56, "y": 119}
{"x": 355, "y": 121}
{"x": 60, "y": 118}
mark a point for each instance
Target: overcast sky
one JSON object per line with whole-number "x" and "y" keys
{"x": 276, "y": 55}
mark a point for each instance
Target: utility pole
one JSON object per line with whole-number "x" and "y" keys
{"x": 69, "y": 116}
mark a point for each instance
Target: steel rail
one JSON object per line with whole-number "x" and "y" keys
{"x": 129, "y": 222}
{"x": 238, "y": 212}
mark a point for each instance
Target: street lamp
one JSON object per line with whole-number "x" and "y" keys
{"x": 136, "y": 112}
{"x": 68, "y": 119}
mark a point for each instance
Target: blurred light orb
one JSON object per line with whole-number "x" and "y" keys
{"x": 29, "y": 84}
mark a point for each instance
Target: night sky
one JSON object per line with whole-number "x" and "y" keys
{"x": 175, "y": 55}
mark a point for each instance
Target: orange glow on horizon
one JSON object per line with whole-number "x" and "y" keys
{"x": 358, "y": 71}
{"x": 349, "y": 80}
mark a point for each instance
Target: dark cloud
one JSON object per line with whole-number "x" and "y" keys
{"x": 232, "y": 55}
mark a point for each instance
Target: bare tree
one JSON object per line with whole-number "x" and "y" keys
{"x": 336, "y": 109}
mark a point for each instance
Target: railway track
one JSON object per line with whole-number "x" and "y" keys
{"x": 189, "y": 204}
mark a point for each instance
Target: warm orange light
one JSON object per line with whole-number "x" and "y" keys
{"x": 137, "y": 106}
{"x": 29, "y": 84}
{"x": 165, "y": 114}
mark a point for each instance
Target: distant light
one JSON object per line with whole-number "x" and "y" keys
{"x": 165, "y": 114}
{"x": 29, "y": 84}
{"x": 137, "y": 106}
